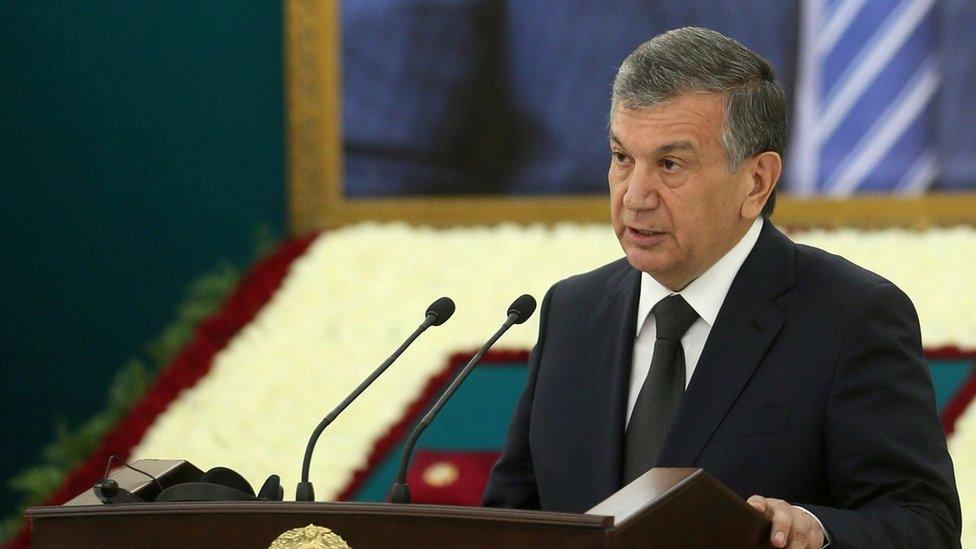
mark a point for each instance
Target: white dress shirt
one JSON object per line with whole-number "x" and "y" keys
{"x": 705, "y": 294}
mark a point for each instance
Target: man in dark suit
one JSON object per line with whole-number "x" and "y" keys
{"x": 791, "y": 375}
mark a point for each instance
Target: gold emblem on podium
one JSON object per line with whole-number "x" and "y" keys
{"x": 309, "y": 537}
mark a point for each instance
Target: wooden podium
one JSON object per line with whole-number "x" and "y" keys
{"x": 667, "y": 508}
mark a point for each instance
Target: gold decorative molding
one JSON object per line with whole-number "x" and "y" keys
{"x": 877, "y": 211}
{"x": 936, "y": 210}
{"x": 316, "y": 199}
{"x": 312, "y": 100}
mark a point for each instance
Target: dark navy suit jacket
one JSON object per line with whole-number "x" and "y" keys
{"x": 812, "y": 388}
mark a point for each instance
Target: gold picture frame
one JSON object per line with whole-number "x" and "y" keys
{"x": 314, "y": 163}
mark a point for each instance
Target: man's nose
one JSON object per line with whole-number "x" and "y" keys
{"x": 642, "y": 191}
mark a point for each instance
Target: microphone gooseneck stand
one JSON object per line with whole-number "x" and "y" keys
{"x": 437, "y": 314}
{"x": 520, "y": 310}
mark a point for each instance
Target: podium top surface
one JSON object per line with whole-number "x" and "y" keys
{"x": 541, "y": 518}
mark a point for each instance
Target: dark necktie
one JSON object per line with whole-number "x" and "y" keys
{"x": 662, "y": 390}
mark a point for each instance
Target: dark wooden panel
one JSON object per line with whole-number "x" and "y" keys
{"x": 361, "y": 525}
{"x": 664, "y": 508}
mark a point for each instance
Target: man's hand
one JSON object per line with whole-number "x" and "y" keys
{"x": 792, "y": 527}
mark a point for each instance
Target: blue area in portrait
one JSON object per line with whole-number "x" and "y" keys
{"x": 512, "y": 97}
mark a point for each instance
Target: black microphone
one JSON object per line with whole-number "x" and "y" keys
{"x": 437, "y": 314}
{"x": 518, "y": 312}
{"x": 107, "y": 490}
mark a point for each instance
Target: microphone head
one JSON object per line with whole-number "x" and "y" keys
{"x": 108, "y": 488}
{"x": 523, "y": 307}
{"x": 442, "y": 309}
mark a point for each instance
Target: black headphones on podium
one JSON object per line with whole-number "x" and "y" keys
{"x": 217, "y": 484}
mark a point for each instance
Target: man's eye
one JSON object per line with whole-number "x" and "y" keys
{"x": 668, "y": 165}
{"x": 619, "y": 157}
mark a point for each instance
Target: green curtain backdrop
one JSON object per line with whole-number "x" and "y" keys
{"x": 141, "y": 146}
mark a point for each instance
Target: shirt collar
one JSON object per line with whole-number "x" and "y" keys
{"x": 706, "y": 293}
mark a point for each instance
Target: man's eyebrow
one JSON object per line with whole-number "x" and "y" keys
{"x": 675, "y": 146}
{"x": 663, "y": 149}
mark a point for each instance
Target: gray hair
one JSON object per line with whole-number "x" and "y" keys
{"x": 693, "y": 59}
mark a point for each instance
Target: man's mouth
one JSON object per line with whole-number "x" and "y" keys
{"x": 645, "y": 238}
{"x": 644, "y": 232}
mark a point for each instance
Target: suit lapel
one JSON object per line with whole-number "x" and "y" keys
{"x": 611, "y": 328}
{"x": 745, "y": 327}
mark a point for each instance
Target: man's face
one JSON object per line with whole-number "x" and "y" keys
{"x": 675, "y": 208}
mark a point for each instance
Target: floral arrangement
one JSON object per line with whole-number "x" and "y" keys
{"x": 248, "y": 390}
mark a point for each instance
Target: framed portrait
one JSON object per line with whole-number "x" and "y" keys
{"x": 483, "y": 112}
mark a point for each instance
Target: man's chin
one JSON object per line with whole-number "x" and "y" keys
{"x": 648, "y": 263}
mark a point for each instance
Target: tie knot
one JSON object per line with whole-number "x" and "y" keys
{"x": 674, "y": 316}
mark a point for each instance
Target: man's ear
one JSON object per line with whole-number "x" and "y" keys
{"x": 764, "y": 170}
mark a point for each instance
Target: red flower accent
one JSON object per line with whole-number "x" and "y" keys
{"x": 450, "y": 478}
